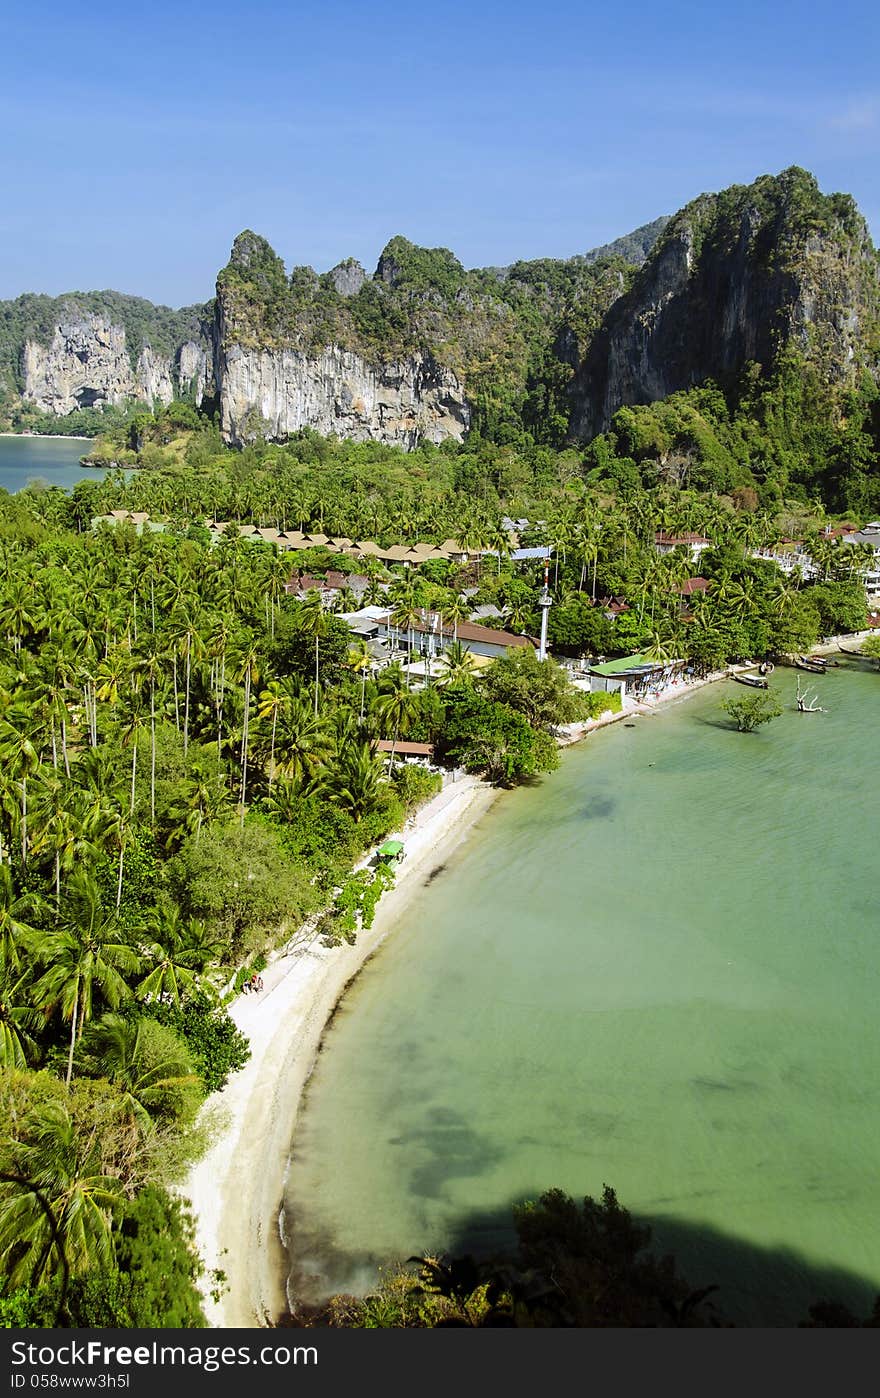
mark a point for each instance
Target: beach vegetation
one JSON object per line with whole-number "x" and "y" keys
{"x": 483, "y": 735}
{"x": 538, "y": 689}
{"x": 753, "y": 710}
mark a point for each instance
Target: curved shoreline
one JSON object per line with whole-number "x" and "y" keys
{"x": 236, "y": 1188}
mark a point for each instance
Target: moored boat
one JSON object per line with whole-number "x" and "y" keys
{"x": 813, "y": 663}
{"x": 752, "y": 681}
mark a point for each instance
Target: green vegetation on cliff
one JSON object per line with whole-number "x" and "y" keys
{"x": 34, "y": 317}
{"x": 512, "y": 339}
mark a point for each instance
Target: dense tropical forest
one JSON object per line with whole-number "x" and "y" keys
{"x": 190, "y": 772}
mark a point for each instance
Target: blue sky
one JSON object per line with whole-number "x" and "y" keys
{"x": 137, "y": 141}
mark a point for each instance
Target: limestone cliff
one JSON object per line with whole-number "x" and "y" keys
{"x": 101, "y": 349}
{"x": 736, "y": 278}
{"x": 424, "y": 349}
{"x": 273, "y": 393}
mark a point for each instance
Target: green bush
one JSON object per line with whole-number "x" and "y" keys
{"x": 217, "y": 1046}
{"x": 414, "y": 785}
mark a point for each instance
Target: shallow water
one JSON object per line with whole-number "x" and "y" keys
{"x": 54, "y": 460}
{"x": 659, "y": 969}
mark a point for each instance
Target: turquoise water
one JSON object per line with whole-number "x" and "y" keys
{"x": 51, "y": 459}
{"x": 659, "y": 969}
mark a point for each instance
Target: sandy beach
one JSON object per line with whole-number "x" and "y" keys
{"x": 47, "y": 436}
{"x": 236, "y": 1188}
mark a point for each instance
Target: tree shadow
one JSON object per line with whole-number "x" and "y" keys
{"x": 714, "y": 723}
{"x": 757, "y": 1286}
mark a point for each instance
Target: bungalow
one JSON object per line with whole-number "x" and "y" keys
{"x": 693, "y": 587}
{"x": 694, "y": 543}
{"x": 432, "y": 635}
{"x": 418, "y": 754}
{"x": 612, "y": 607}
{"x": 635, "y": 677}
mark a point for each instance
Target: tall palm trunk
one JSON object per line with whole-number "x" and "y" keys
{"x": 119, "y": 879}
{"x": 64, "y": 745}
{"x": 272, "y": 748}
{"x": 220, "y": 698}
{"x": 317, "y": 643}
{"x": 134, "y": 758}
{"x": 186, "y": 708}
{"x": 152, "y": 750}
{"x": 244, "y": 739}
{"x": 72, "y": 1037}
{"x": 176, "y": 697}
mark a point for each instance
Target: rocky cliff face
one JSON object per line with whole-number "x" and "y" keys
{"x": 424, "y": 349}
{"x": 291, "y": 354}
{"x": 87, "y": 364}
{"x": 736, "y": 278}
{"x": 273, "y": 393}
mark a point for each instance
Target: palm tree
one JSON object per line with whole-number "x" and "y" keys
{"x": 271, "y": 704}
{"x": 395, "y": 706}
{"x": 174, "y": 954}
{"x": 150, "y": 665}
{"x": 204, "y": 797}
{"x": 17, "y": 1019}
{"x": 84, "y": 952}
{"x": 455, "y": 610}
{"x": 132, "y": 727}
{"x": 113, "y": 1048}
{"x": 248, "y": 670}
{"x": 303, "y": 740}
{"x": 312, "y": 620}
{"x": 360, "y": 659}
{"x": 20, "y": 756}
{"x": 456, "y": 666}
{"x": 406, "y": 614}
{"x": 359, "y": 779}
{"x": 15, "y": 931}
{"x": 58, "y": 1165}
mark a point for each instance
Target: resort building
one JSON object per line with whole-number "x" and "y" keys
{"x": 635, "y": 678}
{"x": 431, "y": 635}
{"x": 870, "y": 535}
{"x": 788, "y": 555}
{"x": 417, "y": 754}
{"x": 694, "y": 543}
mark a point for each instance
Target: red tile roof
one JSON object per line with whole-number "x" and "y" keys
{"x": 693, "y": 585}
{"x": 406, "y": 749}
{"x": 469, "y": 631}
{"x": 674, "y": 539}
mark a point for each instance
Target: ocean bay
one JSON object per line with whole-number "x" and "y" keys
{"x": 54, "y": 460}
{"x": 656, "y": 969}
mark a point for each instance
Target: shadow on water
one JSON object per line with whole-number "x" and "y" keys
{"x": 757, "y": 1286}
{"x": 714, "y": 722}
